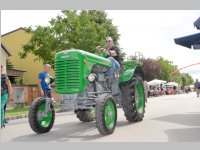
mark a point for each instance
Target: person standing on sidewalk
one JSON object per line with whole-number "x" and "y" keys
{"x": 197, "y": 87}
{"x": 44, "y": 81}
{"x": 6, "y": 94}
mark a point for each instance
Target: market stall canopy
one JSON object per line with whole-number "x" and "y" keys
{"x": 156, "y": 82}
{"x": 171, "y": 84}
{"x": 197, "y": 23}
{"x": 191, "y": 86}
{"x": 190, "y": 41}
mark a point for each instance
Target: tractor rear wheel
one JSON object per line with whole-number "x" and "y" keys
{"x": 85, "y": 115}
{"x": 134, "y": 98}
{"x": 106, "y": 115}
{"x": 39, "y": 120}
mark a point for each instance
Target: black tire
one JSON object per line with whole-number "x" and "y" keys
{"x": 128, "y": 100}
{"x": 32, "y": 116}
{"x": 85, "y": 115}
{"x": 100, "y": 115}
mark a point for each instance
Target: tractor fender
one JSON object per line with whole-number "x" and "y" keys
{"x": 129, "y": 73}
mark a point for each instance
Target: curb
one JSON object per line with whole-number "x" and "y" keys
{"x": 26, "y": 115}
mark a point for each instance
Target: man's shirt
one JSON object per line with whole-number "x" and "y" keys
{"x": 116, "y": 49}
{"x": 42, "y": 76}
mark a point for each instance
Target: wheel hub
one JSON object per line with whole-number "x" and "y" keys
{"x": 110, "y": 114}
{"x": 139, "y": 97}
{"x": 136, "y": 98}
{"x": 41, "y": 115}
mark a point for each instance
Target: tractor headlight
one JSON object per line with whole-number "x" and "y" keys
{"x": 92, "y": 77}
{"x": 47, "y": 80}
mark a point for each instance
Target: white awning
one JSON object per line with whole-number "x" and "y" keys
{"x": 156, "y": 82}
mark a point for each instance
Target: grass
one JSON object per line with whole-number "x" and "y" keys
{"x": 22, "y": 111}
{"x": 17, "y": 111}
{"x": 56, "y": 106}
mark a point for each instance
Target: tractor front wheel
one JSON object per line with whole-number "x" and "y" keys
{"x": 39, "y": 120}
{"x": 106, "y": 115}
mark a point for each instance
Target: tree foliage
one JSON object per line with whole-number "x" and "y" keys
{"x": 186, "y": 79}
{"x": 163, "y": 69}
{"x": 166, "y": 69}
{"x": 169, "y": 72}
{"x": 151, "y": 69}
{"x": 71, "y": 29}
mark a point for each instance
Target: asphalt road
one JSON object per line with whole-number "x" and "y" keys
{"x": 167, "y": 119}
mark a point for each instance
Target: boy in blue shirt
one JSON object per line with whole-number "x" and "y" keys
{"x": 44, "y": 81}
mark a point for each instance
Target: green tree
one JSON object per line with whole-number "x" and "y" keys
{"x": 186, "y": 79}
{"x": 72, "y": 29}
{"x": 176, "y": 77}
{"x": 170, "y": 72}
{"x": 166, "y": 69}
{"x": 151, "y": 69}
{"x": 100, "y": 17}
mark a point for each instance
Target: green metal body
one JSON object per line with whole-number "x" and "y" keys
{"x": 140, "y": 96}
{"x": 72, "y": 67}
{"x": 129, "y": 69}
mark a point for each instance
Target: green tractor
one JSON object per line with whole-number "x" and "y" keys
{"x": 81, "y": 77}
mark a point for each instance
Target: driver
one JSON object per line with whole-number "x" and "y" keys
{"x": 113, "y": 55}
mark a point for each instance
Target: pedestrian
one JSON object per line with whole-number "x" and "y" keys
{"x": 197, "y": 87}
{"x": 44, "y": 82}
{"x": 6, "y": 94}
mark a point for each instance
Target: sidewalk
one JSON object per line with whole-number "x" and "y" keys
{"x": 23, "y": 113}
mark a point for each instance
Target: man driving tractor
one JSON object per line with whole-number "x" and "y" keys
{"x": 113, "y": 55}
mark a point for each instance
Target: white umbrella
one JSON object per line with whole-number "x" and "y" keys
{"x": 156, "y": 82}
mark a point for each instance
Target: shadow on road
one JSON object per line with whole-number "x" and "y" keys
{"x": 189, "y": 119}
{"x": 183, "y": 135}
{"x": 65, "y": 132}
{"x": 190, "y": 134}
{"x": 59, "y": 132}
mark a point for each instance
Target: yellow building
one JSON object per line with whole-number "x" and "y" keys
{"x": 14, "y": 41}
{"x": 4, "y": 54}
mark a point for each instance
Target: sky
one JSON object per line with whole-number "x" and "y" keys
{"x": 149, "y": 32}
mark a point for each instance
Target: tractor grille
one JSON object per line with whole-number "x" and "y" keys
{"x": 68, "y": 76}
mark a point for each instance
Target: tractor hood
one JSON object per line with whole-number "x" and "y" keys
{"x": 72, "y": 68}
{"x": 80, "y": 54}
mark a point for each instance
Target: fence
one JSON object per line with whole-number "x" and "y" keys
{"x": 30, "y": 92}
